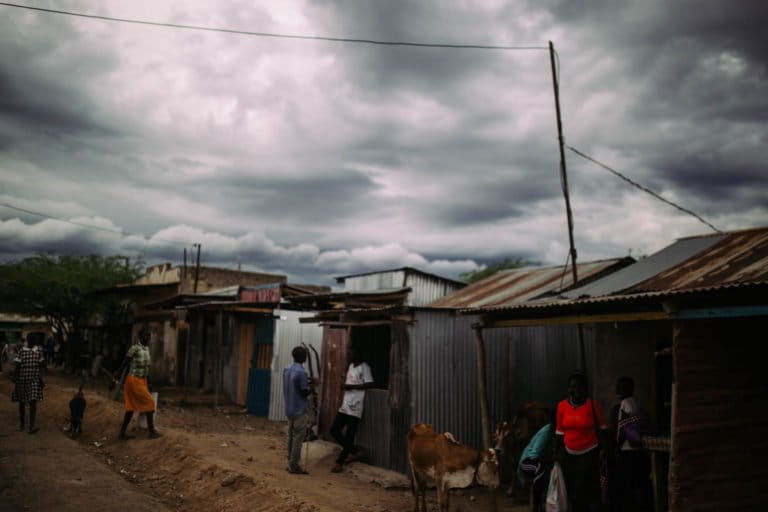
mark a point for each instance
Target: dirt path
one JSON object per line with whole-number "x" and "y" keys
{"x": 206, "y": 460}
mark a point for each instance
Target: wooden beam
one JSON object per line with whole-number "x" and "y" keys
{"x": 580, "y": 319}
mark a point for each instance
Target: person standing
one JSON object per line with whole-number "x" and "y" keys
{"x": 136, "y": 394}
{"x": 295, "y": 392}
{"x": 28, "y": 379}
{"x": 578, "y": 423}
{"x": 630, "y": 488}
{"x": 344, "y": 428}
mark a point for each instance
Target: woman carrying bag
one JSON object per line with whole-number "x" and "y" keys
{"x": 579, "y": 424}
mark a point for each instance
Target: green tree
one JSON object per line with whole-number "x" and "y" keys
{"x": 507, "y": 263}
{"x": 60, "y": 288}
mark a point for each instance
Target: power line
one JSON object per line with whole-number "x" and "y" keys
{"x": 89, "y": 226}
{"x": 275, "y": 35}
{"x": 641, "y": 187}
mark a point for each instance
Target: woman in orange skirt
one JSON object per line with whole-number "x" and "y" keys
{"x": 136, "y": 393}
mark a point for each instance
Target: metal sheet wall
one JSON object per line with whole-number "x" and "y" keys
{"x": 377, "y": 281}
{"x": 540, "y": 360}
{"x": 426, "y": 289}
{"x": 289, "y": 333}
{"x": 374, "y": 434}
{"x": 443, "y": 374}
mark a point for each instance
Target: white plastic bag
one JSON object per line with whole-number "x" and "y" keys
{"x": 141, "y": 420}
{"x": 557, "y": 497}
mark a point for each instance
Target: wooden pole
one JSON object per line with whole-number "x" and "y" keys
{"x": 481, "y": 387}
{"x": 563, "y": 174}
{"x": 484, "y": 415}
{"x": 184, "y": 273}
{"x": 197, "y": 269}
{"x": 218, "y": 367}
{"x": 566, "y": 195}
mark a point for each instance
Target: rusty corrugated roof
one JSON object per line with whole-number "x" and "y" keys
{"x": 735, "y": 259}
{"x": 515, "y": 286}
{"x": 740, "y": 257}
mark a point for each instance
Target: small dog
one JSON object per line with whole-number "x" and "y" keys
{"x": 76, "y": 413}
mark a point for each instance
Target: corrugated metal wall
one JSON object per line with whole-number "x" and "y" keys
{"x": 289, "y": 333}
{"x": 375, "y": 433}
{"x": 540, "y": 360}
{"x": 443, "y": 374}
{"x": 426, "y": 289}
{"x": 719, "y": 448}
{"x": 377, "y": 281}
{"x": 442, "y": 370}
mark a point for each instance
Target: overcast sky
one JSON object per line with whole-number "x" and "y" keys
{"x": 318, "y": 159}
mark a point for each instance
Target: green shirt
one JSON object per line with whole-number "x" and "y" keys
{"x": 140, "y": 360}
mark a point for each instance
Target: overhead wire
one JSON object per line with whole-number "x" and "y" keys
{"x": 146, "y": 238}
{"x": 643, "y": 188}
{"x": 274, "y": 35}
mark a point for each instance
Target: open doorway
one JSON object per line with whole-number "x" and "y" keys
{"x": 374, "y": 343}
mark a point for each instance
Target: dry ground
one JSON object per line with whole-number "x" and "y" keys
{"x": 206, "y": 460}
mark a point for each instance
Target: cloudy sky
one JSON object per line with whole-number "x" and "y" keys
{"x": 317, "y": 158}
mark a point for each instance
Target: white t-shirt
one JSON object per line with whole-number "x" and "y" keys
{"x": 628, "y": 407}
{"x": 354, "y": 398}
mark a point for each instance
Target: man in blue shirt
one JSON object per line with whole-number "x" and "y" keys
{"x": 295, "y": 390}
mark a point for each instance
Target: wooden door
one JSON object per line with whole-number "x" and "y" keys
{"x": 244, "y": 361}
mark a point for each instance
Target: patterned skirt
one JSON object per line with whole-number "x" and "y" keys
{"x": 27, "y": 390}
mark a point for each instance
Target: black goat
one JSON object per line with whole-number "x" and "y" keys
{"x": 76, "y": 413}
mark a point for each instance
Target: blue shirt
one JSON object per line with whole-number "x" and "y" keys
{"x": 537, "y": 448}
{"x": 294, "y": 380}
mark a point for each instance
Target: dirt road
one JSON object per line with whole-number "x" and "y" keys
{"x": 206, "y": 460}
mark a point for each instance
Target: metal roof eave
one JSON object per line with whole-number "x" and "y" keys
{"x": 628, "y": 307}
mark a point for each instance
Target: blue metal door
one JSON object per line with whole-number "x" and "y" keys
{"x": 259, "y": 375}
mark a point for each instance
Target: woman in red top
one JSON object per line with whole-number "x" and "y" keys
{"x": 577, "y": 446}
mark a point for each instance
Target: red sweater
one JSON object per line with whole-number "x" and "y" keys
{"x": 577, "y": 425}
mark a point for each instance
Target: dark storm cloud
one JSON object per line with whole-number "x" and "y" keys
{"x": 41, "y": 95}
{"x": 697, "y": 111}
{"x": 311, "y": 198}
{"x": 382, "y": 69}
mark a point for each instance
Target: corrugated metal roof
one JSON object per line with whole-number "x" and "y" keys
{"x": 691, "y": 265}
{"x": 645, "y": 268}
{"x": 736, "y": 258}
{"x": 509, "y": 287}
{"x": 405, "y": 270}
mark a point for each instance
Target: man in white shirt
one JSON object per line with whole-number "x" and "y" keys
{"x": 358, "y": 379}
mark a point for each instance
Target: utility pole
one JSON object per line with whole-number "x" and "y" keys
{"x": 184, "y": 273}
{"x": 563, "y": 174}
{"x": 197, "y": 267}
{"x": 564, "y": 183}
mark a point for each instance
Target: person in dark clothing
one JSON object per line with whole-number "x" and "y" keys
{"x": 76, "y": 413}
{"x": 629, "y": 478}
{"x": 28, "y": 379}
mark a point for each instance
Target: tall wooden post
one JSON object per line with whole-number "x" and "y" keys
{"x": 563, "y": 173}
{"x": 483, "y": 392}
{"x": 197, "y": 269}
{"x": 481, "y": 385}
{"x": 219, "y": 366}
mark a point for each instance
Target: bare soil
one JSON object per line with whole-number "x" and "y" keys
{"x": 206, "y": 459}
